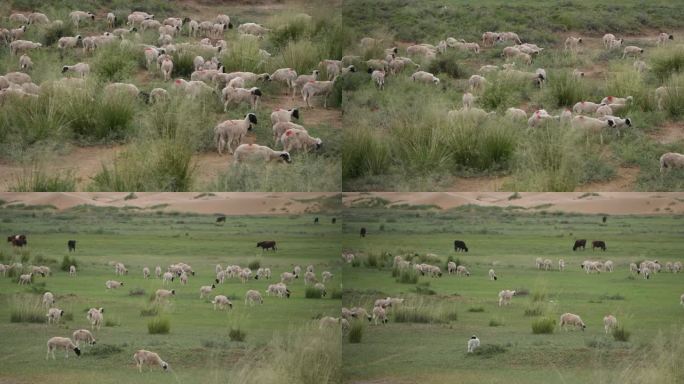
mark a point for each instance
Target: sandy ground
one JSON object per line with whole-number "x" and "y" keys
{"x": 604, "y": 202}
{"x": 227, "y": 203}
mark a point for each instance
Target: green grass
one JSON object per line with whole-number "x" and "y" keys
{"x": 313, "y": 293}
{"x": 543, "y": 326}
{"x": 355, "y": 332}
{"x": 620, "y": 334}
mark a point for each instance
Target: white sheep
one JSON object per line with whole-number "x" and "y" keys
{"x": 676, "y": 267}
{"x": 510, "y": 36}
{"x": 252, "y": 29}
{"x": 573, "y": 43}
{"x": 21, "y": 46}
{"x": 17, "y": 33}
{"x": 82, "y": 69}
{"x": 561, "y": 265}
{"x": 577, "y": 74}
{"x": 326, "y": 276}
{"x": 462, "y": 270}
{"x": 221, "y": 301}
{"x": 113, "y": 284}
{"x": 72, "y": 270}
{"x": 473, "y": 344}
{"x": 603, "y": 110}
{"x": 304, "y": 79}
{"x": 317, "y": 88}
{"x": 95, "y": 316}
{"x": 48, "y": 299}
{"x": 425, "y": 77}
{"x": 633, "y": 268}
{"x": 250, "y": 96}
{"x": 489, "y": 38}
{"x": 253, "y": 297}
{"x": 231, "y": 132}
{"x": 378, "y": 78}
{"x": 619, "y": 121}
{"x": 663, "y": 38}
{"x": 612, "y": 100}
{"x": 297, "y": 139}
{"x": 79, "y": 16}
{"x": 477, "y": 82}
{"x": 121, "y": 88}
{"x": 19, "y": 18}
{"x": 284, "y": 115}
{"x": 609, "y": 323}
{"x": 309, "y": 278}
{"x": 167, "y": 277}
{"x": 608, "y": 266}
{"x": 166, "y": 69}
{"x": 590, "y": 123}
{"x": 632, "y": 50}
{"x": 164, "y": 294}
{"x": 516, "y": 114}
{"x": 570, "y": 319}
{"x": 150, "y": 358}
{"x": 451, "y": 267}
{"x": 205, "y": 290}
{"x": 505, "y": 297}
{"x": 287, "y": 277}
{"x": 54, "y": 315}
{"x": 645, "y": 272}
{"x": 83, "y": 335}
{"x": 492, "y": 275}
{"x": 281, "y": 127}
{"x": 607, "y": 38}
{"x": 111, "y": 20}
{"x": 151, "y": 55}
{"x": 25, "y": 279}
{"x": 287, "y": 76}
{"x": 61, "y": 342}
{"x": 321, "y": 288}
{"x": 379, "y": 313}
{"x": 671, "y": 160}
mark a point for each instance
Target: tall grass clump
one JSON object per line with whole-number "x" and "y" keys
{"x": 620, "y": 334}
{"x": 237, "y": 334}
{"x": 54, "y": 32}
{"x": 114, "y": 62}
{"x": 481, "y": 146}
{"x": 425, "y": 311}
{"x": 502, "y": 92}
{"x": 624, "y": 81}
{"x": 159, "y": 326}
{"x": 243, "y": 55}
{"x": 27, "y": 122}
{"x": 183, "y": 65}
{"x": 289, "y": 27}
{"x": 254, "y": 265}
{"x": 303, "y": 56}
{"x": 35, "y": 179}
{"x": 313, "y": 293}
{"x": 667, "y": 62}
{"x": 332, "y": 36}
{"x": 355, "y": 332}
{"x": 181, "y": 119}
{"x": 26, "y": 309}
{"x": 406, "y": 276}
{"x": 371, "y": 261}
{"x": 448, "y": 64}
{"x": 489, "y": 350}
{"x": 543, "y": 326}
{"x": 68, "y": 262}
{"x": 660, "y": 361}
{"x": 566, "y": 90}
{"x": 307, "y": 355}
{"x": 673, "y": 104}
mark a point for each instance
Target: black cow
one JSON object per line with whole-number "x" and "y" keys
{"x": 316, "y": 220}
{"x": 363, "y": 232}
{"x": 460, "y": 246}
{"x": 72, "y": 245}
{"x": 598, "y": 244}
{"x": 221, "y": 219}
{"x": 17, "y": 240}
{"x": 334, "y": 220}
{"x": 265, "y": 245}
{"x": 579, "y": 244}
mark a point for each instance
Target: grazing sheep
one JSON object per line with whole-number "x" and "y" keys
{"x": 250, "y": 96}
{"x": 231, "y": 132}
{"x": 379, "y": 313}
{"x": 608, "y": 266}
{"x": 253, "y": 297}
{"x": 95, "y": 317}
{"x": 54, "y": 315}
{"x": 167, "y": 277}
{"x": 607, "y": 38}
{"x": 425, "y": 50}
{"x": 158, "y": 272}
{"x": 510, "y": 36}
{"x": 287, "y": 277}
{"x": 151, "y": 55}
{"x": 17, "y": 33}
{"x": 477, "y": 82}
{"x": 221, "y": 301}
{"x": 83, "y": 335}
{"x": 451, "y": 267}
{"x": 146, "y": 273}
{"x": 609, "y": 323}
{"x": 61, "y": 342}
{"x": 164, "y": 294}
{"x": 505, "y": 297}
{"x": 645, "y": 272}
{"x": 280, "y": 128}
{"x": 25, "y": 63}
{"x": 158, "y": 95}
{"x": 577, "y": 74}
{"x": 633, "y": 268}
{"x": 603, "y": 110}
{"x": 632, "y": 50}
{"x": 72, "y": 270}
{"x": 25, "y": 279}
{"x": 573, "y": 43}
{"x": 489, "y": 38}
{"x": 167, "y": 68}
{"x": 111, "y": 20}
{"x": 567, "y": 319}
{"x": 317, "y": 88}
{"x": 321, "y": 288}
{"x": 590, "y": 123}
{"x": 252, "y": 29}
{"x": 378, "y": 78}
{"x": 676, "y": 267}
{"x": 122, "y": 88}
{"x": 473, "y": 344}
{"x": 78, "y": 16}
{"x": 205, "y": 290}
{"x": 21, "y": 46}
{"x": 309, "y": 278}
{"x": 150, "y": 358}
{"x": 510, "y": 52}
{"x": 585, "y": 107}
{"x": 492, "y": 275}
{"x": 561, "y": 265}
{"x": 619, "y": 122}
{"x": 19, "y": 18}
{"x": 297, "y": 139}
{"x": 113, "y": 284}
{"x": 663, "y": 38}
{"x": 539, "y": 117}
{"x": 671, "y": 160}
{"x": 48, "y": 299}
{"x": 284, "y": 115}
{"x": 326, "y": 276}
{"x": 462, "y": 270}
{"x": 516, "y": 114}
{"x": 81, "y": 69}
{"x": 287, "y": 76}
{"x": 425, "y": 77}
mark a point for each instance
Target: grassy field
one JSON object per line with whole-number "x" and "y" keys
{"x": 509, "y": 240}
{"x": 167, "y": 146}
{"x": 198, "y": 347}
{"x": 401, "y": 139}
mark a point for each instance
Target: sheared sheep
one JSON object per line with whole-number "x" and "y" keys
{"x": 231, "y": 132}
{"x": 489, "y": 38}
{"x": 516, "y": 114}
{"x": 477, "y": 82}
{"x": 25, "y": 63}
{"x": 72, "y": 270}
{"x": 61, "y": 342}
{"x": 462, "y": 270}
{"x": 83, "y": 335}
{"x": 19, "y": 18}
{"x": 573, "y": 43}
{"x": 78, "y": 16}
{"x": 237, "y": 96}
{"x": 378, "y": 78}
{"x": 48, "y": 299}
{"x": 253, "y": 297}
{"x": 25, "y": 279}
{"x": 287, "y": 76}
{"x": 568, "y": 319}
{"x": 21, "y": 46}
{"x": 297, "y": 139}
{"x": 150, "y": 358}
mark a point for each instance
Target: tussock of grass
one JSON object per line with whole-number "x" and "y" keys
{"x": 355, "y": 332}
{"x": 620, "y": 334}
{"x": 495, "y": 323}
{"x": 254, "y": 265}
{"x": 67, "y": 262}
{"x": 237, "y": 334}
{"x": 149, "y": 312}
{"x": 405, "y": 276}
{"x": 489, "y": 350}
{"x": 543, "y": 326}
{"x": 535, "y": 310}
{"x": 36, "y": 179}
{"x": 426, "y": 311}
{"x": 136, "y": 292}
{"x": 114, "y": 62}
{"x": 102, "y": 351}
{"x": 476, "y": 309}
{"x": 159, "y": 326}
{"x": 313, "y": 293}
{"x": 26, "y": 309}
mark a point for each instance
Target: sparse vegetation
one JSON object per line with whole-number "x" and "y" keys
{"x": 159, "y": 326}
{"x": 543, "y": 326}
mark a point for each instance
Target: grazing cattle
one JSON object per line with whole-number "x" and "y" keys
{"x": 579, "y": 244}
{"x": 265, "y": 245}
{"x": 221, "y": 219}
{"x": 17, "y": 240}
{"x": 316, "y": 220}
{"x": 334, "y": 220}
{"x": 363, "y": 232}
{"x": 72, "y": 245}
{"x": 598, "y": 244}
{"x": 460, "y": 246}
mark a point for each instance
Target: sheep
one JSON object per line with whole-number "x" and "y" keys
{"x": 120, "y": 269}
{"x": 515, "y": 114}
{"x": 577, "y": 74}
{"x": 567, "y": 319}
{"x": 83, "y": 335}
{"x": 489, "y": 38}
{"x": 427, "y": 51}
{"x": 632, "y": 50}
{"x": 328, "y": 321}
{"x": 245, "y": 275}
{"x": 510, "y": 52}
{"x": 676, "y": 267}
{"x": 284, "y": 115}
{"x": 25, "y": 279}
{"x": 645, "y": 272}
{"x": 146, "y": 357}
{"x": 168, "y": 30}
{"x": 54, "y": 315}
{"x": 585, "y": 107}
{"x": 316, "y": 88}
{"x": 253, "y": 297}
{"x": 287, "y": 76}
{"x": 78, "y": 16}
{"x": 304, "y": 79}
{"x": 539, "y": 117}
{"x": 250, "y": 96}
{"x": 149, "y": 24}
{"x": 72, "y": 270}
{"x": 425, "y": 77}
{"x": 609, "y": 323}
{"x": 297, "y": 139}
{"x": 607, "y": 38}
{"x": 111, "y": 20}
{"x": 473, "y": 344}
{"x": 488, "y": 68}
{"x": 505, "y": 297}
{"x": 332, "y": 67}
{"x": 451, "y": 267}
{"x": 530, "y": 49}
{"x": 221, "y": 301}
{"x": 462, "y": 270}
{"x": 225, "y": 20}
{"x": 121, "y": 88}
{"x": 121, "y": 32}
{"x": 633, "y": 268}
{"x": 164, "y": 294}
{"x": 252, "y": 29}
{"x": 608, "y": 265}
{"x": 603, "y": 110}
{"x": 17, "y": 33}
{"x": 510, "y": 36}
{"x": 205, "y": 290}
{"x": 61, "y": 342}
{"x": 399, "y": 63}
{"x": 82, "y": 69}
{"x": 378, "y": 78}
{"x": 321, "y": 288}
{"x": 95, "y": 317}
{"x": 671, "y": 160}
{"x": 113, "y": 284}
{"x": 309, "y": 278}
{"x": 231, "y": 132}
{"x": 663, "y": 38}
{"x": 492, "y": 275}
{"x": 612, "y": 100}
{"x": 164, "y": 39}
{"x": 167, "y": 277}
{"x": 158, "y": 95}
{"x": 662, "y": 94}
{"x": 287, "y": 277}
{"x": 48, "y": 299}
{"x": 573, "y": 43}
{"x": 25, "y": 63}
{"x": 379, "y": 313}
{"x": 477, "y": 82}
{"x": 21, "y": 46}
{"x": 326, "y": 276}
{"x": 19, "y": 18}
{"x": 167, "y": 68}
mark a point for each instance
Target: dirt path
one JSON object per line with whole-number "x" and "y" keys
{"x": 670, "y": 132}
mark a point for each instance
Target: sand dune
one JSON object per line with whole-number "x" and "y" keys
{"x": 604, "y": 202}
{"x": 223, "y": 203}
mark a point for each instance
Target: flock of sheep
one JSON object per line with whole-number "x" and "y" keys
{"x": 381, "y": 307}
{"x": 585, "y": 115}
{"x": 233, "y": 89}
{"x": 180, "y": 271}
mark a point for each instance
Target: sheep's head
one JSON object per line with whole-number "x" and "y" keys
{"x": 65, "y": 68}
{"x": 286, "y": 157}
{"x": 252, "y": 119}
{"x": 217, "y": 281}
{"x": 295, "y": 113}
{"x": 164, "y": 365}
{"x": 628, "y": 122}
{"x": 77, "y": 351}
{"x": 319, "y": 143}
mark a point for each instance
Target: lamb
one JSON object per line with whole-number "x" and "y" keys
{"x": 61, "y": 342}
{"x": 231, "y": 132}
{"x": 632, "y": 50}
{"x": 21, "y": 46}
{"x": 425, "y": 77}
{"x": 252, "y": 297}
{"x": 221, "y": 301}
{"x": 284, "y": 115}
{"x": 609, "y": 323}
{"x": 83, "y": 335}
{"x": 158, "y": 95}
{"x": 539, "y": 117}
{"x": 378, "y": 78}
{"x": 25, "y": 279}
{"x": 505, "y": 297}
{"x": 48, "y": 299}
{"x": 95, "y": 317}
{"x": 379, "y": 313}
{"x": 81, "y": 69}
{"x": 146, "y": 357}
{"x": 326, "y": 276}
{"x": 205, "y": 290}
{"x": 72, "y": 270}
{"x": 250, "y": 96}
{"x": 516, "y": 114}
{"x": 17, "y": 33}
{"x": 671, "y": 160}
{"x": 462, "y": 270}
{"x": 321, "y": 288}
{"x": 113, "y": 284}
{"x": 567, "y": 319}
{"x": 572, "y": 43}
{"x": 316, "y": 88}
{"x": 164, "y": 294}
{"x": 663, "y": 38}
{"x": 488, "y": 68}
{"x": 19, "y": 18}
{"x": 297, "y": 139}
{"x": 492, "y": 275}
{"x": 477, "y": 82}
{"x": 252, "y": 29}
{"x": 167, "y": 68}
{"x": 473, "y": 344}
{"x": 78, "y": 16}
{"x": 54, "y": 315}
{"x": 287, "y": 76}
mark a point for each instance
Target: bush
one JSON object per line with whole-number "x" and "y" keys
{"x": 407, "y": 276}
{"x": 448, "y": 64}
{"x": 114, "y": 62}
{"x": 159, "y": 326}
{"x": 620, "y": 334}
{"x": 566, "y": 90}
{"x": 428, "y": 311}
{"x": 149, "y": 312}
{"x": 356, "y": 263}
{"x": 237, "y": 334}
{"x": 495, "y": 323}
{"x": 336, "y": 294}
{"x": 476, "y": 309}
{"x": 183, "y": 65}
{"x": 355, "y": 332}
{"x": 424, "y": 289}
{"x": 534, "y": 311}
{"x": 54, "y": 32}
{"x": 254, "y": 265}
{"x": 68, "y": 262}
{"x": 371, "y": 261}
{"x": 364, "y": 153}
{"x": 26, "y": 310}
{"x": 665, "y": 63}
{"x": 302, "y": 56}
{"x": 489, "y": 350}
{"x": 37, "y": 180}
{"x": 136, "y": 292}
{"x": 543, "y": 326}
{"x": 313, "y": 293}
{"x": 104, "y": 350}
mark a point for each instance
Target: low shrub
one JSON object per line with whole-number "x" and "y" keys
{"x": 476, "y": 309}
{"x": 254, "y": 265}
{"x": 68, "y": 262}
{"x": 543, "y": 326}
{"x": 495, "y": 323}
{"x": 489, "y": 350}
{"x": 407, "y": 276}
{"x": 136, "y": 292}
{"x": 237, "y": 334}
{"x": 620, "y": 334}
{"x": 159, "y": 326}
{"x": 313, "y": 293}
{"x": 26, "y": 310}
{"x": 355, "y": 332}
